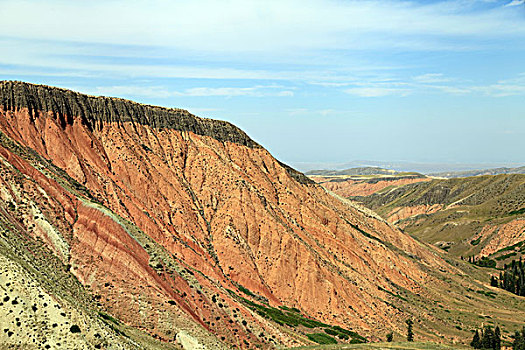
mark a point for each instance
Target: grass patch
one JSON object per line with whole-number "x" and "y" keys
{"x": 489, "y": 294}
{"x": 292, "y": 317}
{"x": 510, "y": 247}
{"x": 385, "y": 346}
{"x": 356, "y": 338}
{"x": 366, "y": 234}
{"x": 108, "y": 317}
{"x": 291, "y": 309}
{"x": 506, "y": 256}
{"x": 246, "y": 291}
{"x": 321, "y": 338}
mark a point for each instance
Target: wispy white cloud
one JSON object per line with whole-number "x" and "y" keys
{"x": 431, "y": 78}
{"x": 203, "y": 110}
{"x": 255, "y": 91}
{"x": 452, "y": 90}
{"x": 162, "y": 92}
{"x": 211, "y": 38}
{"x": 380, "y": 88}
{"x": 503, "y": 88}
{"x": 239, "y": 26}
{"x": 374, "y": 88}
{"x": 436, "y": 82}
{"x": 330, "y": 84}
{"x": 377, "y": 91}
{"x": 295, "y": 40}
{"x": 130, "y": 90}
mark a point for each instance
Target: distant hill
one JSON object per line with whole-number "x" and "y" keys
{"x": 359, "y": 171}
{"x": 468, "y": 173}
{"x": 479, "y": 216}
{"x": 363, "y": 181}
{"x": 403, "y": 166}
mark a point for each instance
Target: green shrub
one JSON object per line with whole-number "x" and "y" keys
{"x": 506, "y": 256}
{"x": 486, "y": 262}
{"x": 475, "y": 241}
{"x": 74, "y": 329}
{"x": 321, "y": 338}
{"x": 108, "y": 317}
{"x": 331, "y": 331}
{"x": 517, "y": 212}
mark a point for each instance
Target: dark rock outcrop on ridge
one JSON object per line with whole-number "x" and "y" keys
{"x": 67, "y": 104}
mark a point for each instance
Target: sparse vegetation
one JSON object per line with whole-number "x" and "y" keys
{"x": 74, "y": 329}
{"x": 390, "y": 337}
{"x": 476, "y": 241}
{"x": 321, "y": 338}
{"x": 410, "y": 332}
{"x": 519, "y": 340}
{"x": 512, "y": 278}
{"x": 487, "y": 339}
{"x": 292, "y": 317}
{"x": 460, "y": 211}
{"x": 517, "y": 212}
{"x": 108, "y": 317}
{"x": 484, "y": 262}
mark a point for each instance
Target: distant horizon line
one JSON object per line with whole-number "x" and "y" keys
{"x": 403, "y": 165}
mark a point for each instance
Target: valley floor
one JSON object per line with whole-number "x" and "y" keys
{"x": 385, "y": 346}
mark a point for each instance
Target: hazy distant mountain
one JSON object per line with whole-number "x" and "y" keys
{"x": 403, "y": 166}
{"x": 493, "y": 171}
{"x": 353, "y": 171}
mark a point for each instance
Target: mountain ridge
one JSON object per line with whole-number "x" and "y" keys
{"x": 480, "y": 172}
{"x": 353, "y": 171}
{"x": 66, "y": 104}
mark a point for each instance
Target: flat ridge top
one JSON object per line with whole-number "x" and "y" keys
{"x": 94, "y": 110}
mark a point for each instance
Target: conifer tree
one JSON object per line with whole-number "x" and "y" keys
{"x": 476, "y": 341}
{"x": 519, "y": 340}
{"x": 493, "y": 281}
{"x": 410, "y": 333}
{"x": 487, "y": 340}
{"x": 390, "y": 337}
{"x": 512, "y": 278}
{"x": 496, "y": 345}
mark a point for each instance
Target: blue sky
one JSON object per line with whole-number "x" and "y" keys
{"x": 312, "y": 81}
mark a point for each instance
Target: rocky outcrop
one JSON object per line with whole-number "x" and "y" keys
{"x": 66, "y": 105}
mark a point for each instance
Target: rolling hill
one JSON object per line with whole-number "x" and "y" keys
{"x": 469, "y": 173}
{"x": 482, "y": 216}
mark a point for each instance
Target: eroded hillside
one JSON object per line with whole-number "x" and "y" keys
{"x": 185, "y": 229}
{"x": 475, "y": 216}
